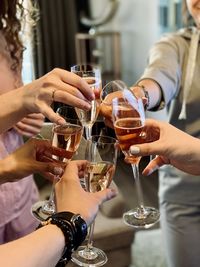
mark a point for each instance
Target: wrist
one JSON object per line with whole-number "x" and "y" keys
{"x": 6, "y": 169}
{"x": 144, "y": 95}
{"x": 152, "y": 90}
{"x": 74, "y": 229}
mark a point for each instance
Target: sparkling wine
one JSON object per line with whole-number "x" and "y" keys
{"x": 88, "y": 118}
{"x": 67, "y": 138}
{"x": 129, "y": 131}
{"x": 99, "y": 175}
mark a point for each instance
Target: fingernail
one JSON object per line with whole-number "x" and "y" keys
{"x": 114, "y": 190}
{"x": 61, "y": 121}
{"x": 92, "y": 97}
{"x": 149, "y": 172}
{"x": 58, "y": 171}
{"x": 134, "y": 150}
{"x": 88, "y": 106}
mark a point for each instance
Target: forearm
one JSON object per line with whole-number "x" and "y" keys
{"x": 12, "y": 109}
{"x": 42, "y": 248}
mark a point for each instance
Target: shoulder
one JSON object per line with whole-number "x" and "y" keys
{"x": 177, "y": 41}
{"x": 178, "y": 37}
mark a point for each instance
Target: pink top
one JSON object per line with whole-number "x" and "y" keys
{"x": 14, "y": 197}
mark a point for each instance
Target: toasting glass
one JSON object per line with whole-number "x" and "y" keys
{"x": 67, "y": 137}
{"x": 92, "y": 75}
{"x": 101, "y": 152}
{"x": 129, "y": 120}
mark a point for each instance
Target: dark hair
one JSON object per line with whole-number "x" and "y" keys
{"x": 12, "y": 13}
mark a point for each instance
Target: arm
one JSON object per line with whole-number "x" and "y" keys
{"x": 172, "y": 147}
{"x": 44, "y": 247}
{"x": 153, "y": 91}
{"x": 36, "y": 97}
{"x": 41, "y": 248}
{"x": 162, "y": 76}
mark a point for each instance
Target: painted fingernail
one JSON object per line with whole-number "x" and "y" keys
{"x": 134, "y": 150}
{"x": 58, "y": 171}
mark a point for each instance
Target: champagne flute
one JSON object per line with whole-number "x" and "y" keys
{"x": 67, "y": 137}
{"x": 101, "y": 153}
{"x": 110, "y": 90}
{"x": 69, "y": 114}
{"x": 92, "y": 75}
{"x": 129, "y": 120}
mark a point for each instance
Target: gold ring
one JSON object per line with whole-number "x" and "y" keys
{"x": 53, "y": 93}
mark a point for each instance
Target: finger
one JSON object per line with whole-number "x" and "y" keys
{"x": 43, "y": 167}
{"x": 72, "y": 90}
{"x": 69, "y": 99}
{"x": 106, "y": 110}
{"x": 36, "y": 116}
{"x": 73, "y": 168}
{"x": 51, "y": 115}
{"x": 24, "y": 133}
{"x": 34, "y": 122}
{"x": 28, "y": 130}
{"x": 49, "y": 176}
{"x": 154, "y": 165}
{"x": 78, "y": 82}
{"x": 108, "y": 123}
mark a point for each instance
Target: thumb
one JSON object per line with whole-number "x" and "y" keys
{"x": 106, "y": 194}
{"x": 146, "y": 149}
{"x": 154, "y": 165}
{"x": 47, "y": 167}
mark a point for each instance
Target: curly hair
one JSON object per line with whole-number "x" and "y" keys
{"x": 12, "y": 14}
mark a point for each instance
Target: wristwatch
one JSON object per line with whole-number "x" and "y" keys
{"x": 146, "y": 94}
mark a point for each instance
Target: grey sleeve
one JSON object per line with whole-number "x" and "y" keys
{"x": 164, "y": 66}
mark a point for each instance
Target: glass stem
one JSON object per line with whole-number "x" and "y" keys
{"x": 90, "y": 236}
{"x": 88, "y": 132}
{"x": 135, "y": 168}
{"x": 49, "y": 207}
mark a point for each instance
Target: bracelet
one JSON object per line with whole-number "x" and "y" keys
{"x": 74, "y": 229}
{"x": 146, "y": 94}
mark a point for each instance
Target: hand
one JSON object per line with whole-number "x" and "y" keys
{"x": 172, "y": 147}
{"x": 72, "y": 197}
{"x": 139, "y": 93}
{"x": 30, "y": 125}
{"x": 106, "y": 107}
{"x": 58, "y": 85}
{"x": 35, "y": 156}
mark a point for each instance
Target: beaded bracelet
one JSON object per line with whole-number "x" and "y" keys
{"x": 74, "y": 229}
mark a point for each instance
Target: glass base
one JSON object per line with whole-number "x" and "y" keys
{"x": 38, "y": 210}
{"x": 89, "y": 257}
{"x": 142, "y": 219}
